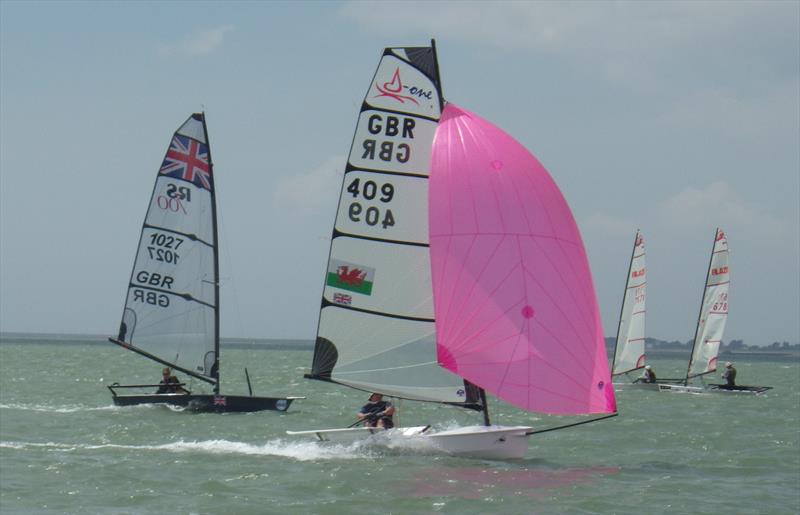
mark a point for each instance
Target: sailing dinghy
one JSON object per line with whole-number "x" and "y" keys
{"x": 455, "y": 269}
{"x": 171, "y": 313}
{"x": 629, "y": 353}
{"x": 710, "y": 327}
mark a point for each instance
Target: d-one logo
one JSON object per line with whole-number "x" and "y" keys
{"x": 395, "y": 89}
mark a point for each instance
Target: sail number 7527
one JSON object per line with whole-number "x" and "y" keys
{"x": 372, "y": 215}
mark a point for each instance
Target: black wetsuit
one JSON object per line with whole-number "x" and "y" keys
{"x": 167, "y": 385}
{"x": 730, "y": 377}
{"x": 377, "y": 407}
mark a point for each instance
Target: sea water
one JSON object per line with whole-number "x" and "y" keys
{"x": 65, "y": 448}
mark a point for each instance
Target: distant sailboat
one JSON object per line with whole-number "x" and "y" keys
{"x": 171, "y": 311}
{"x": 711, "y": 326}
{"x": 629, "y": 352}
{"x": 455, "y": 268}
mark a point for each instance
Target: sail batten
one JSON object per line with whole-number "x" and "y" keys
{"x": 191, "y": 236}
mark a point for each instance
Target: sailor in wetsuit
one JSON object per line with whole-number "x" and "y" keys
{"x": 377, "y": 412}
{"x": 729, "y": 375}
{"x": 648, "y": 376}
{"x": 169, "y": 383}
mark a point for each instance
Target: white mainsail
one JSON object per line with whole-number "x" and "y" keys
{"x": 376, "y": 327}
{"x": 171, "y": 307}
{"x": 629, "y": 353}
{"x": 713, "y": 311}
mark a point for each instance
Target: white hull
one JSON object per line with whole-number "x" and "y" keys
{"x": 679, "y": 388}
{"x": 635, "y": 386}
{"x": 487, "y": 442}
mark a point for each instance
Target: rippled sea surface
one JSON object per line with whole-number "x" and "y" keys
{"x": 64, "y": 447}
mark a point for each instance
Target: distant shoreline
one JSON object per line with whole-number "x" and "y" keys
{"x": 94, "y": 339}
{"x": 300, "y": 344}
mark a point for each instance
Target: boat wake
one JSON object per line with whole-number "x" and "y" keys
{"x": 300, "y": 451}
{"x": 67, "y": 408}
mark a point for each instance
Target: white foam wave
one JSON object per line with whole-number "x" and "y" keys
{"x": 67, "y": 408}
{"x": 301, "y": 451}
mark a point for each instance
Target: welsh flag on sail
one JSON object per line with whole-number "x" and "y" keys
{"x": 350, "y": 277}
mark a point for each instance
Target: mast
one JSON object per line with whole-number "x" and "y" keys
{"x": 486, "y": 421}
{"x": 215, "y": 368}
{"x": 622, "y": 307}
{"x": 437, "y": 76}
{"x": 700, "y": 313}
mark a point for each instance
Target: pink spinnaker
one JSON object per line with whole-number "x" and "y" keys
{"x": 516, "y": 312}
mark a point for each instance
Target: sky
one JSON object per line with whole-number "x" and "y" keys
{"x": 671, "y": 117}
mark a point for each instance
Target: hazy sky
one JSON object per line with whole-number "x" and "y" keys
{"x": 671, "y": 117}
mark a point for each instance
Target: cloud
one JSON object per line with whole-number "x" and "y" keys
{"x": 766, "y": 113}
{"x": 719, "y": 204}
{"x": 627, "y": 43}
{"x": 602, "y": 225}
{"x": 311, "y": 193}
{"x": 201, "y": 42}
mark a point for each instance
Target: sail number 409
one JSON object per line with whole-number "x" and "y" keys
{"x": 372, "y": 215}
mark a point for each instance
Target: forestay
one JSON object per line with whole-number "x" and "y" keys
{"x": 171, "y": 307}
{"x": 516, "y": 312}
{"x": 629, "y": 352}
{"x": 713, "y": 311}
{"x": 376, "y": 327}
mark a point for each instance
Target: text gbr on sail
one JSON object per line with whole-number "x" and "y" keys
{"x": 390, "y": 126}
{"x": 155, "y": 280}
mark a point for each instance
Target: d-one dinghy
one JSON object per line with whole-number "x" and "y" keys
{"x": 455, "y": 269}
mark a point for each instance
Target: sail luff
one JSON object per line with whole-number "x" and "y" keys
{"x": 214, "y": 228}
{"x": 622, "y": 306}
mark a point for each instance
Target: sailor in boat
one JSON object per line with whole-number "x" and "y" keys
{"x": 169, "y": 383}
{"x": 729, "y": 375}
{"x": 377, "y": 412}
{"x": 648, "y": 376}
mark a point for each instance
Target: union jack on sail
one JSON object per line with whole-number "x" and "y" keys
{"x": 187, "y": 159}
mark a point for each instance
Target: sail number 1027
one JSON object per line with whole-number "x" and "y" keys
{"x": 164, "y": 247}
{"x": 372, "y": 215}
